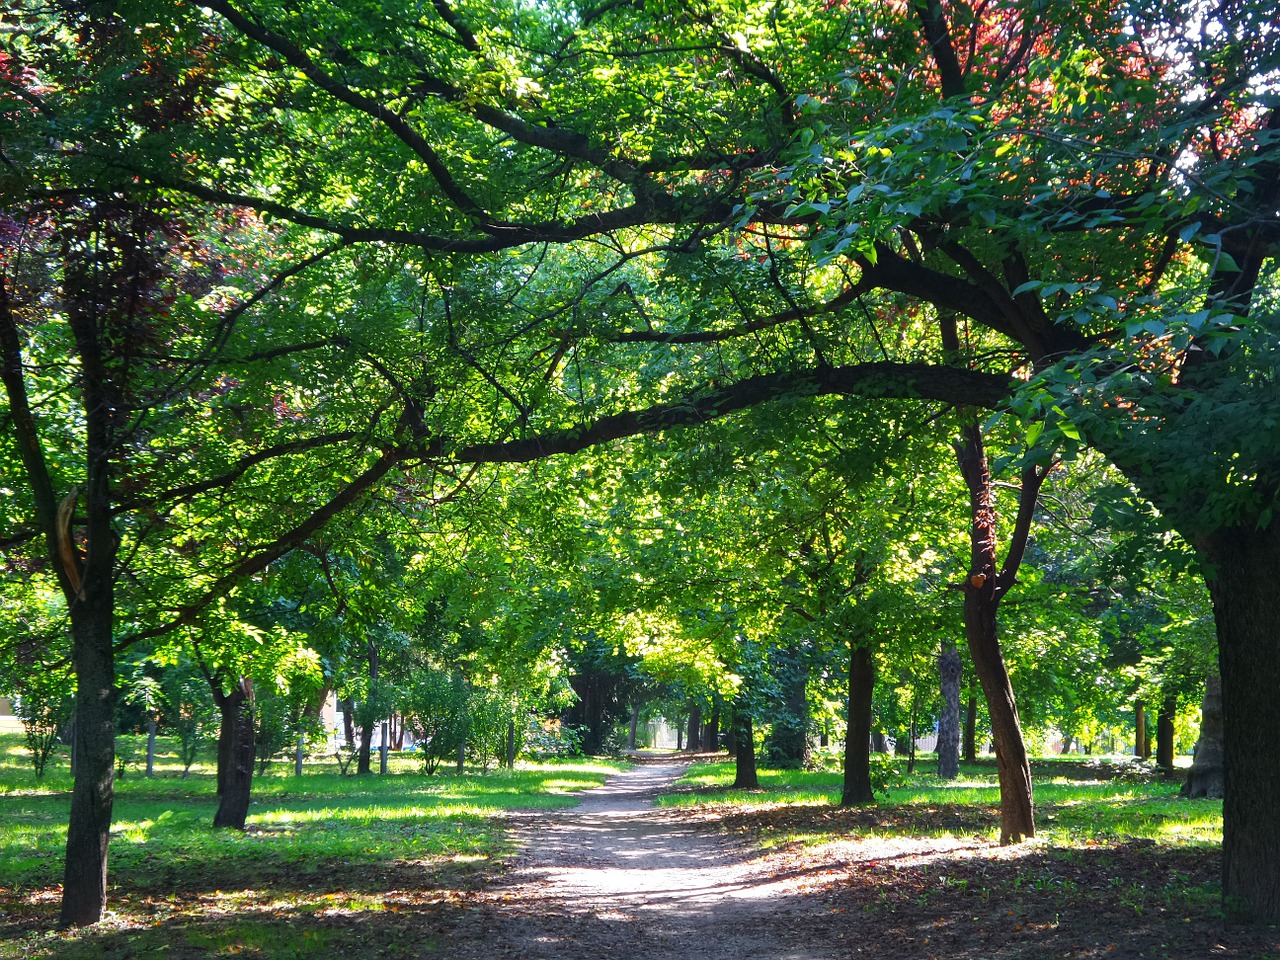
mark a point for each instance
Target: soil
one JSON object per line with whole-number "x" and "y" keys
{"x": 616, "y": 877}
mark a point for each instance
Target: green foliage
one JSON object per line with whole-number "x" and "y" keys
{"x": 44, "y": 705}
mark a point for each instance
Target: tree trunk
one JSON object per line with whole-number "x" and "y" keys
{"x": 693, "y": 742}
{"x": 462, "y": 754}
{"x": 983, "y": 590}
{"x": 363, "y": 764}
{"x": 511, "y": 744}
{"x": 711, "y": 732}
{"x": 949, "y": 671}
{"x": 1140, "y": 731}
{"x": 1165, "y": 734}
{"x": 971, "y": 725}
{"x": 235, "y": 753}
{"x": 632, "y": 727}
{"x": 299, "y": 753}
{"x": 84, "y": 881}
{"x": 1246, "y": 566}
{"x": 744, "y": 768}
{"x": 348, "y": 722}
{"x": 857, "y": 741}
{"x": 879, "y": 743}
{"x": 1205, "y": 778}
{"x": 731, "y": 736}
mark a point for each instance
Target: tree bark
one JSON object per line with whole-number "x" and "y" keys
{"x": 857, "y": 788}
{"x": 983, "y": 590}
{"x": 1205, "y": 778}
{"x": 949, "y": 671}
{"x": 632, "y": 727}
{"x": 1165, "y": 734}
{"x": 1246, "y": 567}
{"x": 711, "y": 732}
{"x": 84, "y": 881}
{"x": 971, "y": 725}
{"x": 693, "y": 741}
{"x": 1140, "y": 731}
{"x": 235, "y": 753}
{"x": 363, "y": 764}
{"x": 744, "y": 769}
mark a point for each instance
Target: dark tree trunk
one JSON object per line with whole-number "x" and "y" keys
{"x": 1205, "y": 778}
{"x": 983, "y": 590}
{"x": 857, "y": 741}
{"x": 1165, "y": 734}
{"x": 235, "y": 753}
{"x": 1246, "y": 566}
{"x": 949, "y": 670}
{"x": 679, "y": 736}
{"x": 879, "y": 743}
{"x": 348, "y": 721}
{"x": 511, "y": 744}
{"x": 151, "y": 747}
{"x": 84, "y": 881}
{"x": 731, "y": 736}
{"x": 744, "y": 768}
{"x": 971, "y": 725}
{"x": 363, "y": 765}
{"x": 633, "y": 727}
{"x": 711, "y": 732}
{"x": 1140, "y": 731}
{"x": 693, "y": 742}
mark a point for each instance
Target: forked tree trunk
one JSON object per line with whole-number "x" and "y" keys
{"x": 235, "y": 754}
{"x": 857, "y": 741}
{"x": 1246, "y": 566}
{"x": 1205, "y": 777}
{"x": 983, "y": 590}
{"x": 949, "y": 671}
{"x": 744, "y": 768}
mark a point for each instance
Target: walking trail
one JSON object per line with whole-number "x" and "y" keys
{"x": 617, "y": 877}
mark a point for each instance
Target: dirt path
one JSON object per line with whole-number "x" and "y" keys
{"x": 615, "y": 877}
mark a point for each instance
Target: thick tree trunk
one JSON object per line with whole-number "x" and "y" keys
{"x": 711, "y": 732}
{"x": 1246, "y": 566}
{"x": 693, "y": 742}
{"x": 1205, "y": 778}
{"x": 235, "y": 754}
{"x": 857, "y": 741}
{"x": 731, "y": 737}
{"x": 971, "y": 725}
{"x": 84, "y": 881}
{"x": 744, "y": 770}
{"x": 949, "y": 671}
{"x": 1165, "y": 734}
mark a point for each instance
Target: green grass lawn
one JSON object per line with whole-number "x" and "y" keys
{"x": 319, "y": 845}
{"x": 1076, "y": 802}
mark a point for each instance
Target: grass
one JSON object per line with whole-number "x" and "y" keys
{"x": 1076, "y": 803}
{"x": 317, "y": 848}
